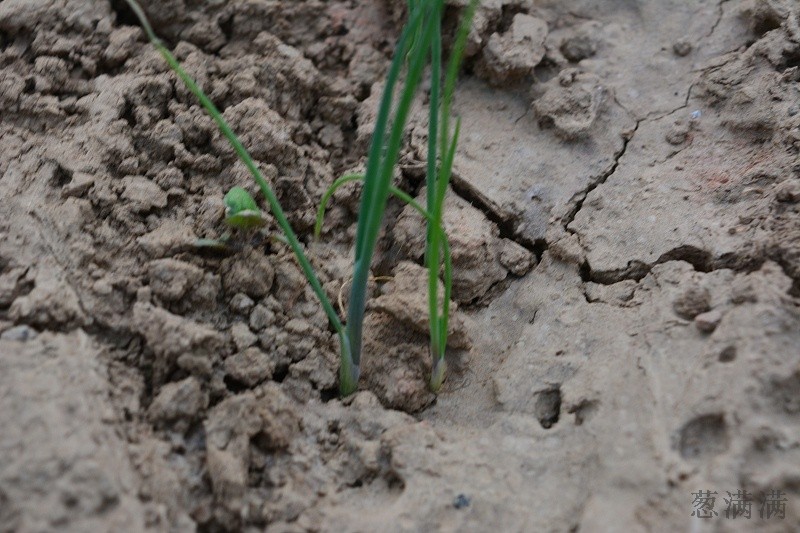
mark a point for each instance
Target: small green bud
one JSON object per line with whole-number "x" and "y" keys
{"x": 241, "y": 210}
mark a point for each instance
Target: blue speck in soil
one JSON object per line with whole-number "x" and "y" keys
{"x": 461, "y": 501}
{"x": 696, "y": 114}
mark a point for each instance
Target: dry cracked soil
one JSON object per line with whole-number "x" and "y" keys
{"x": 625, "y": 224}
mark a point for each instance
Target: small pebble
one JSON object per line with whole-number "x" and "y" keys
{"x": 243, "y": 338}
{"x": 788, "y": 191}
{"x": 261, "y": 317}
{"x": 696, "y": 114}
{"x": 708, "y": 321}
{"x": 678, "y": 133}
{"x": 241, "y": 303}
{"x": 728, "y": 354}
{"x": 19, "y": 333}
{"x": 692, "y": 301}
{"x": 682, "y": 48}
{"x": 250, "y": 367}
{"x": 461, "y": 501}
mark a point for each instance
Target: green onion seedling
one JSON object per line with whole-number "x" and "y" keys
{"x": 397, "y": 193}
{"x": 382, "y": 159}
{"x": 437, "y": 184}
{"x": 269, "y": 194}
{"x": 420, "y": 36}
{"x": 415, "y": 44}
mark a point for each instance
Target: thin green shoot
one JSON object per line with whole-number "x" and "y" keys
{"x": 323, "y": 204}
{"x": 402, "y": 196}
{"x": 348, "y": 178}
{"x": 381, "y": 161}
{"x": 422, "y": 38}
{"x": 437, "y": 185}
{"x": 431, "y": 240}
{"x": 249, "y": 163}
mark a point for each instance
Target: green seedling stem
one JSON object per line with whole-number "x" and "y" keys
{"x": 431, "y": 234}
{"x": 437, "y": 187}
{"x": 381, "y": 162}
{"x": 394, "y": 191}
{"x": 323, "y": 204}
{"x": 421, "y": 39}
{"x": 247, "y": 160}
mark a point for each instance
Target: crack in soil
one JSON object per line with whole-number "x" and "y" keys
{"x": 701, "y": 260}
{"x": 721, "y": 11}
{"x": 673, "y": 111}
{"x": 627, "y": 138}
{"x": 506, "y": 226}
{"x": 580, "y": 197}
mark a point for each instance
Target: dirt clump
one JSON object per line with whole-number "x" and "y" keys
{"x": 481, "y": 258}
{"x": 512, "y": 56}
{"x": 570, "y": 104}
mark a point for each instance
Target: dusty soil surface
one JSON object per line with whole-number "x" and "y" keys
{"x": 625, "y": 223}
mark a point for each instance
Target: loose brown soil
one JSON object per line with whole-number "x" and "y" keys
{"x": 625, "y": 224}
